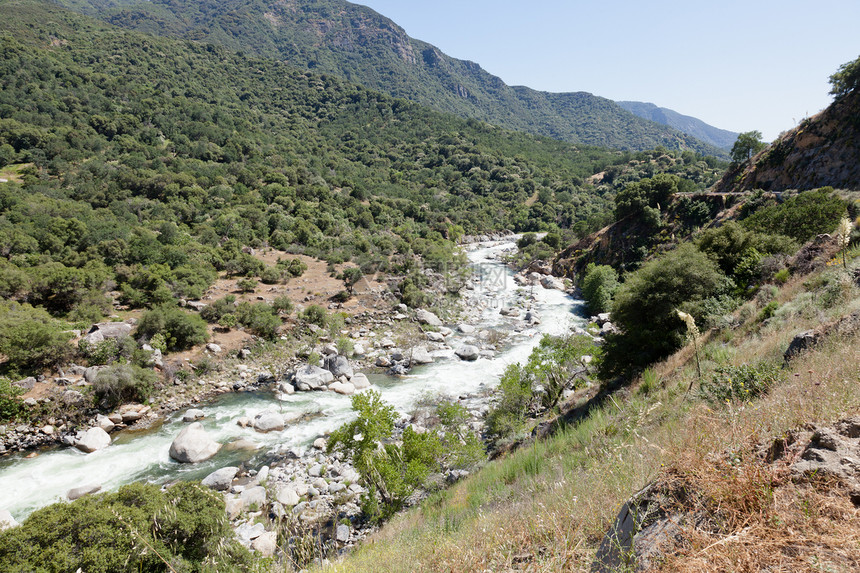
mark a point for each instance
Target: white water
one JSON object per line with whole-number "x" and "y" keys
{"x": 28, "y": 484}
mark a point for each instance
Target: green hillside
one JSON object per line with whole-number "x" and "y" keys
{"x": 362, "y": 46}
{"x": 721, "y": 138}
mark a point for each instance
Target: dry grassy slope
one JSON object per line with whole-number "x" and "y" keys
{"x": 824, "y": 150}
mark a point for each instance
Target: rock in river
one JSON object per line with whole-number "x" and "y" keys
{"x": 193, "y": 445}
{"x": 92, "y": 440}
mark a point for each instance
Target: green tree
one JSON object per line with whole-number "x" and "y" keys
{"x": 30, "y": 339}
{"x": 391, "y": 472}
{"x": 598, "y": 287}
{"x": 180, "y": 329}
{"x": 351, "y": 275}
{"x": 747, "y": 144}
{"x": 645, "y": 308}
{"x": 846, "y": 79}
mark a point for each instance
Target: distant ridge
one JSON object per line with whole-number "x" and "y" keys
{"x": 362, "y": 46}
{"x": 697, "y": 128}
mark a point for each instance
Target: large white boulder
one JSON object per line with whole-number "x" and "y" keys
{"x": 288, "y": 496}
{"x": 222, "y": 479}
{"x": 359, "y": 381}
{"x": 193, "y": 445}
{"x": 268, "y": 421}
{"x": 345, "y": 388}
{"x": 313, "y": 378}
{"x": 420, "y": 355}
{"x": 427, "y": 317}
{"x": 93, "y": 439}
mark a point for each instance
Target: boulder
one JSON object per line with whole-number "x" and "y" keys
{"x": 421, "y": 356}
{"x": 802, "y": 342}
{"x": 233, "y": 507}
{"x": 342, "y": 533}
{"x": 286, "y": 388}
{"x": 383, "y": 362}
{"x": 213, "y": 348}
{"x": 268, "y": 421}
{"x": 320, "y": 443}
{"x": 345, "y": 388}
{"x": 466, "y": 329}
{"x": 242, "y": 444}
{"x": 79, "y": 492}
{"x": 550, "y": 282}
{"x": 91, "y": 373}
{"x": 6, "y": 520}
{"x": 104, "y": 330}
{"x": 313, "y": 378}
{"x": 435, "y": 336}
{"x": 266, "y": 544}
{"x": 105, "y": 423}
{"x": 93, "y": 439}
{"x": 72, "y": 397}
{"x": 25, "y": 383}
{"x": 193, "y": 445}
{"x": 338, "y": 365}
{"x": 359, "y": 382}
{"x": 255, "y": 496}
{"x": 427, "y": 317}
{"x": 467, "y": 352}
{"x": 358, "y": 349}
{"x": 288, "y": 496}
{"x": 192, "y": 415}
{"x": 222, "y": 479}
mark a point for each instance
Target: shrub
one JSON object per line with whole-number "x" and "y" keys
{"x": 107, "y": 351}
{"x": 391, "y": 472}
{"x": 271, "y": 275}
{"x": 800, "y": 217}
{"x": 283, "y": 304}
{"x": 295, "y": 267}
{"x": 213, "y": 312}
{"x": 646, "y": 304}
{"x": 259, "y": 319}
{"x": 739, "y": 383}
{"x": 123, "y": 383}
{"x": 314, "y": 314}
{"x": 11, "y": 406}
{"x": 515, "y": 395}
{"x": 30, "y": 339}
{"x": 246, "y": 285}
{"x": 598, "y": 286}
{"x": 180, "y": 329}
{"x": 138, "y": 528}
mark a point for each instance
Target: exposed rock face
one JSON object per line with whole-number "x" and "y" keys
{"x": 220, "y": 480}
{"x": 313, "y": 378}
{"x": 427, "y": 317}
{"x": 845, "y": 326}
{"x": 93, "y": 439}
{"x": 193, "y": 445}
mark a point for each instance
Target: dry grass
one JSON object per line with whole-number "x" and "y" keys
{"x": 546, "y": 507}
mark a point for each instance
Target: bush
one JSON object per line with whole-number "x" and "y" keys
{"x": 246, "y": 285}
{"x": 259, "y": 319}
{"x": 739, "y": 383}
{"x": 107, "y": 351}
{"x": 646, "y": 304}
{"x": 391, "y": 472}
{"x": 180, "y": 329}
{"x": 121, "y": 383}
{"x": 271, "y": 275}
{"x": 283, "y": 304}
{"x": 213, "y": 312}
{"x": 11, "y": 406}
{"x": 30, "y": 339}
{"x": 598, "y": 287}
{"x": 314, "y": 314}
{"x": 508, "y": 414}
{"x": 138, "y": 528}
{"x": 800, "y": 217}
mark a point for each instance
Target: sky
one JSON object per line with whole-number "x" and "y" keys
{"x": 738, "y": 65}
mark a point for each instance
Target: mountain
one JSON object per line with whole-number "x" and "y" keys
{"x": 362, "y": 46}
{"x": 692, "y": 126}
{"x": 824, "y": 150}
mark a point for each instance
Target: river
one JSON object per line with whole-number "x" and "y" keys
{"x": 27, "y": 484}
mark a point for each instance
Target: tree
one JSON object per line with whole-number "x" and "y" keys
{"x": 846, "y": 79}
{"x": 598, "y": 286}
{"x": 351, "y": 276}
{"x": 645, "y": 308}
{"x": 748, "y": 144}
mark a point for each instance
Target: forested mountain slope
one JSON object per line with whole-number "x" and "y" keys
{"x": 721, "y": 138}
{"x": 362, "y": 46}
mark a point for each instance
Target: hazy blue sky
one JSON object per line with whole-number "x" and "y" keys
{"x": 738, "y": 65}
